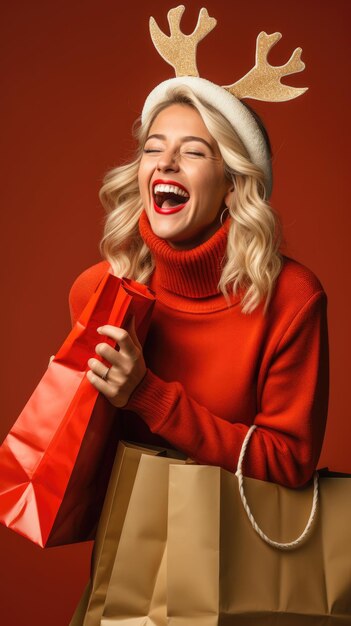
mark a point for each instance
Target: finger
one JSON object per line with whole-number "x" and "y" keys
{"x": 109, "y": 354}
{"x": 122, "y": 337}
{"x": 101, "y": 385}
{"x": 98, "y": 368}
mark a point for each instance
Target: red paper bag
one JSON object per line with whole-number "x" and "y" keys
{"x": 55, "y": 461}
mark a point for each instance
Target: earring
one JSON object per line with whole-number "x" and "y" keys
{"x": 221, "y": 218}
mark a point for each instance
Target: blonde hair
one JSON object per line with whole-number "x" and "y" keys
{"x": 253, "y": 261}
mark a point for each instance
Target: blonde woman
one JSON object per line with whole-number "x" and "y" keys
{"x": 239, "y": 331}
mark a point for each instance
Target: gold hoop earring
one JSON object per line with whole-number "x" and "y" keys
{"x": 221, "y": 218}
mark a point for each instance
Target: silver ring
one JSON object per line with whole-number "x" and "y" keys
{"x": 104, "y": 377}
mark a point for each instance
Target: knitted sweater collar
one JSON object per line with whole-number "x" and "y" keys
{"x": 191, "y": 275}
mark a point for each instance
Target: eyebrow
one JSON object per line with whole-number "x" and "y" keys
{"x": 183, "y": 139}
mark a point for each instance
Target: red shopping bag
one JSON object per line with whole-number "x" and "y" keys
{"x": 55, "y": 461}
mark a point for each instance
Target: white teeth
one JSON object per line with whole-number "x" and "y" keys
{"x": 170, "y": 189}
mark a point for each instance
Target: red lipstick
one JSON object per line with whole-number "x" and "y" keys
{"x": 169, "y": 210}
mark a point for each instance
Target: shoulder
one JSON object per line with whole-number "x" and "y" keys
{"x": 84, "y": 286}
{"x": 298, "y": 298}
{"x": 298, "y": 308}
{"x": 297, "y": 283}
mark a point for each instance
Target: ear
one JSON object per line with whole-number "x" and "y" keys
{"x": 228, "y": 198}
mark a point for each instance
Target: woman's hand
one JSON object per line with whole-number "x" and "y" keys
{"x": 127, "y": 365}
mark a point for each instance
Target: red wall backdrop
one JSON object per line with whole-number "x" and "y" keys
{"x": 74, "y": 77}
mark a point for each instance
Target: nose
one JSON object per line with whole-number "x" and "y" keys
{"x": 168, "y": 161}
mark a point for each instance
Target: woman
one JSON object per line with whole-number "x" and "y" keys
{"x": 239, "y": 331}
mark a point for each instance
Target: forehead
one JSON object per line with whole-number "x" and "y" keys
{"x": 182, "y": 120}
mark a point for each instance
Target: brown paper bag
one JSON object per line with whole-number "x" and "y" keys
{"x": 220, "y": 571}
{"x": 187, "y": 553}
{"x": 125, "y": 469}
{"x": 136, "y": 594}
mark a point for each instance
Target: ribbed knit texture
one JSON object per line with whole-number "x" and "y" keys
{"x": 213, "y": 371}
{"x": 192, "y": 273}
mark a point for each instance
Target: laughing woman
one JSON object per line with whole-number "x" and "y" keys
{"x": 239, "y": 331}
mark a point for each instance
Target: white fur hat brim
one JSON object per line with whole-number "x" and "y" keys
{"x": 231, "y": 108}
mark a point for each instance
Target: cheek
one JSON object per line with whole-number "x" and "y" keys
{"x": 211, "y": 186}
{"x": 142, "y": 179}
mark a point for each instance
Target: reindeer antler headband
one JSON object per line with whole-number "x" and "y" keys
{"x": 262, "y": 82}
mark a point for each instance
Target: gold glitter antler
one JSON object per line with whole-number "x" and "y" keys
{"x": 179, "y": 50}
{"x": 263, "y": 80}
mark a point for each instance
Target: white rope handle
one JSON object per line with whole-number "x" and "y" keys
{"x": 275, "y": 544}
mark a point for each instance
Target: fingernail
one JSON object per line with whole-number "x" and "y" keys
{"x": 99, "y": 330}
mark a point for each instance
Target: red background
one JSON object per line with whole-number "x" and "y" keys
{"x": 74, "y": 76}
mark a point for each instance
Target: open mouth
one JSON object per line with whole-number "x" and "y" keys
{"x": 169, "y": 198}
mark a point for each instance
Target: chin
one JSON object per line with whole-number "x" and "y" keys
{"x": 165, "y": 232}
{"x": 164, "y": 226}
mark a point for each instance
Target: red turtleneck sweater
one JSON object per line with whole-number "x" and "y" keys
{"x": 213, "y": 371}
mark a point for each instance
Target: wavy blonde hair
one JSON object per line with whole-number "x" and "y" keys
{"x": 253, "y": 261}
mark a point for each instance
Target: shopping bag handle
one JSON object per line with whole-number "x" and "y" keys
{"x": 276, "y": 544}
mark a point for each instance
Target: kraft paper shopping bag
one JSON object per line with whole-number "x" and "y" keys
{"x": 221, "y": 572}
{"x": 122, "y": 496}
{"x": 136, "y": 594}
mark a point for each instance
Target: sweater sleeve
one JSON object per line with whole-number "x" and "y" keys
{"x": 286, "y": 444}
